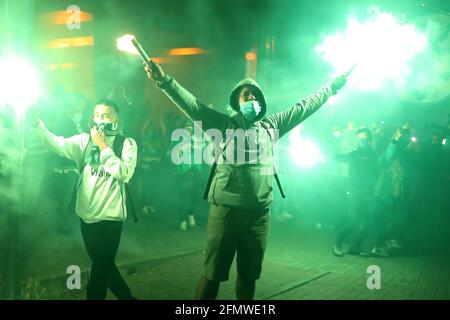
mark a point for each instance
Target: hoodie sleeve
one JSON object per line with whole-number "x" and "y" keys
{"x": 191, "y": 107}
{"x": 121, "y": 168}
{"x": 71, "y": 148}
{"x": 286, "y": 120}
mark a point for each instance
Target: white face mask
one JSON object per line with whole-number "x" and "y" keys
{"x": 250, "y": 109}
{"x": 109, "y": 128}
{"x": 100, "y": 122}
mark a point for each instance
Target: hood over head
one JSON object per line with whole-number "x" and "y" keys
{"x": 234, "y": 96}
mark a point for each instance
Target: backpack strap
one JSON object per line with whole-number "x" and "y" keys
{"x": 275, "y": 174}
{"x": 118, "y": 145}
{"x": 117, "y": 148}
{"x": 214, "y": 166}
{"x": 212, "y": 173}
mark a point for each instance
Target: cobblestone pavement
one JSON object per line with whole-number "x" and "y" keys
{"x": 163, "y": 263}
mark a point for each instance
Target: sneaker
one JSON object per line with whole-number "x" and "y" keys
{"x": 148, "y": 210}
{"x": 183, "y": 226}
{"x": 394, "y": 244}
{"x": 380, "y": 252}
{"x": 191, "y": 221}
{"x": 337, "y": 251}
{"x": 364, "y": 253}
{"x": 358, "y": 252}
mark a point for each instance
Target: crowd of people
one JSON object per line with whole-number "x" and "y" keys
{"x": 396, "y": 190}
{"x": 395, "y": 183}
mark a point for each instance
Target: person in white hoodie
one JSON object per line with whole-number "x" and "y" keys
{"x": 100, "y": 196}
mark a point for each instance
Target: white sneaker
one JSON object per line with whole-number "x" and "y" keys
{"x": 394, "y": 244}
{"x": 191, "y": 221}
{"x": 380, "y": 252}
{"x": 183, "y": 226}
{"x": 337, "y": 251}
{"x": 148, "y": 210}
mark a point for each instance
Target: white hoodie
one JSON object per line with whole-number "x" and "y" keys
{"x": 101, "y": 189}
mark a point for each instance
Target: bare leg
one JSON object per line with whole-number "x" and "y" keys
{"x": 207, "y": 289}
{"x": 245, "y": 289}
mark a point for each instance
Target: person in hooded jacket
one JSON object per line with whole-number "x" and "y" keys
{"x": 239, "y": 191}
{"x": 363, "y": 171}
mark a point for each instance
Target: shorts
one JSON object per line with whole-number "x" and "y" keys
{"x": 231, "y": 231}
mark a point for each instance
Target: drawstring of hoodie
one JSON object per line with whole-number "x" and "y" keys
{"x": 245, "y": 131}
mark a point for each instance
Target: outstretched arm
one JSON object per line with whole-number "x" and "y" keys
{"x": 286, "y": 120}
{"x": 185, "y": 101}
{"x": 71, "y": 148}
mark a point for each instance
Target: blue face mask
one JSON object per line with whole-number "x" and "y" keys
{"x": 250, "y": 109}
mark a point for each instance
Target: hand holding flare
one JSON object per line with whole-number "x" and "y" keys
{"x": 128, "y": 43}
{"x": 340, "y": 81}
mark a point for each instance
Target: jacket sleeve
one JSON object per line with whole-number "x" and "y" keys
{"x": 191, "y": 107}
{"x": 286, "y": 120}
{"x": 121, "y": 168}
{"x": 71, "y": 148}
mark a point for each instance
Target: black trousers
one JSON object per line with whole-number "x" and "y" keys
{"x": 189, "y": 193}
{"x": 102, "y": 241}
{"x": 359, "y": 214}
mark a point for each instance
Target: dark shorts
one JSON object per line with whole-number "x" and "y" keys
{"x": 232, "y": 230}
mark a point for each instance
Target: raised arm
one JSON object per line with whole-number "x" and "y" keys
{"x": 186, "y": 101}
{"x": 71, "y": 148}
{"x": 286, "y": 120}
